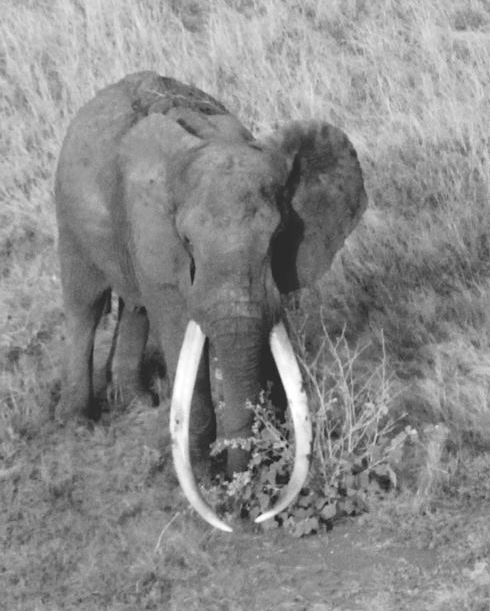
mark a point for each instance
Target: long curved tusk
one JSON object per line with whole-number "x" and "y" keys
{"x": 180, "y": 410}
{"x": 283, "y": 354}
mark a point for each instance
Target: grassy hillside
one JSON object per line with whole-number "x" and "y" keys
{"x": 409, "y": 83}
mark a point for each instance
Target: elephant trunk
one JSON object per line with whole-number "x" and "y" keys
{"x": 239, "y": 423}
{"x": 238, "y": 343}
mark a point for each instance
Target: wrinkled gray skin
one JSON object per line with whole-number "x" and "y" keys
{"x": 166, "y": 198}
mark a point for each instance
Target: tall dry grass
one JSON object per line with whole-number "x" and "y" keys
{"x": 410, "y": 85}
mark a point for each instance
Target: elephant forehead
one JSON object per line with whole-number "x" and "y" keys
{"x": 241, "y": 197}
{"x": 240, "y": 180}
{"x": 230, "y": 186}
{"x": 242, "y": 163}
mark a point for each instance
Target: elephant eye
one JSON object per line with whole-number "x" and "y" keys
{"x": 266, "y": 191}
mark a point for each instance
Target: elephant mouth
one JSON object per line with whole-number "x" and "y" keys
{"x": 180, "y": 410}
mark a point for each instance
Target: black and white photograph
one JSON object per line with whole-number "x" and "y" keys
{"x": 245, "y": 305}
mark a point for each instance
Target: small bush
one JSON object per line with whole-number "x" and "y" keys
{"x": 358, "y": 445}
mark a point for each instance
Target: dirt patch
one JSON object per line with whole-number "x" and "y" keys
{"x": 345, "y": 569}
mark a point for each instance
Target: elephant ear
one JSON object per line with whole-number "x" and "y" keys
{"x": 151, "y": 157}
{"x": 325, "y": 199}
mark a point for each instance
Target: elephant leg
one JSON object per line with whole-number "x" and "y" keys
{"x": 125, "y": 368}
{"x": 271, "y": 382}
{"x": 203, "y": 418}
{"x": 169, "y": 320}
{"x": 202, "y": 431}
{"x": 85, "y": 295}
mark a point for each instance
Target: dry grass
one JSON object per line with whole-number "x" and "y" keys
{"x": 409, "y": 82}
{"x": 409, "y": 85}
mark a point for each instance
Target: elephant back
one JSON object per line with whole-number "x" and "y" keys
{"x": 150, "y": 92}
{"x": 193, "y": 109}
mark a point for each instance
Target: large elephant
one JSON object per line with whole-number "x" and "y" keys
{"x": 165, "y": 198}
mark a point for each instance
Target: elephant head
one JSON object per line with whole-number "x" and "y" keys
{"x": 205, "y": 227}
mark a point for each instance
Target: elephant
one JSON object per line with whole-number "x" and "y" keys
{"x": 164, "y": 198}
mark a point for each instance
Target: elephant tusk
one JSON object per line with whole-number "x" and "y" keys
{"x": 283, "y": 354}
{"x": 180, "y": 410}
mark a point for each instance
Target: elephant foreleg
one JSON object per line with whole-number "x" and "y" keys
{"x": 130, "y": 342}
{"x": 85, "y": 294}
{"x": 77, "y": 395}
{"x": 168, "y": 317}
{"x": 202, "y": 429}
